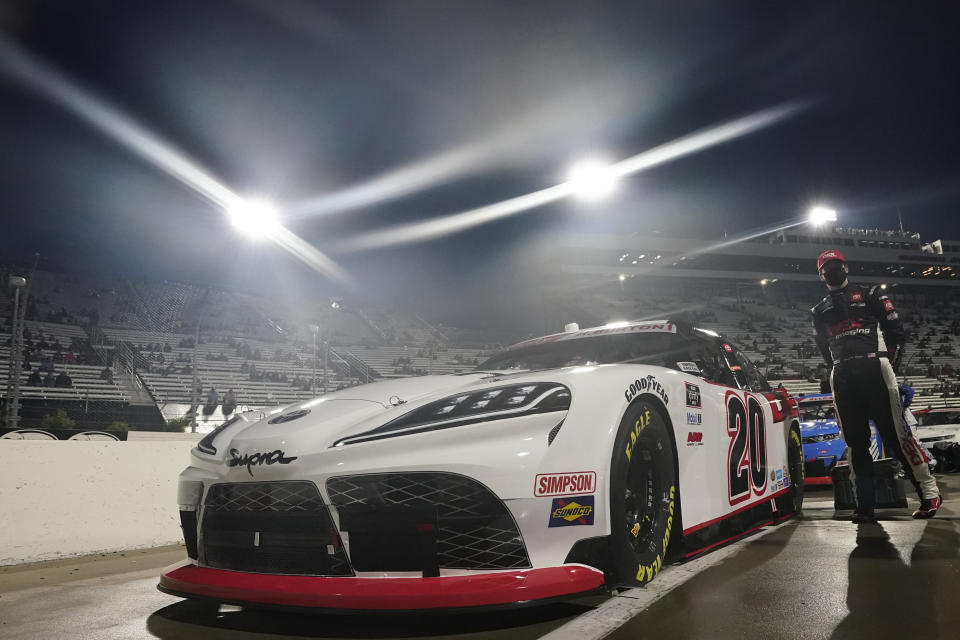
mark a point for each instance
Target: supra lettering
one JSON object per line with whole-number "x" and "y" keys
{"x": 250, "y": 460}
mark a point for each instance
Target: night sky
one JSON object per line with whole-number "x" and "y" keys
{"x": 293, "y": 100}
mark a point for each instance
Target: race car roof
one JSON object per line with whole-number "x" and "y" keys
{"x": 645, "y": 326}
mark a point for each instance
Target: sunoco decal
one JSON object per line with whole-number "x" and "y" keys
{"x": 558, "y": 484}
{"x": 250, "y": 460}
{"x": 642, "y": 385}
{"x": 571, "y": 512}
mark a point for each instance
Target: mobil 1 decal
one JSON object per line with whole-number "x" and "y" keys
{"x": 747, "y": 453}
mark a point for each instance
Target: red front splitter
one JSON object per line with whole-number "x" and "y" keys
{"x": 185, "y": 579}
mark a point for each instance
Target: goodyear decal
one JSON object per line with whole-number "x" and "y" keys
{"x": 572, "y": 511}
{"x": 646, "y": 573}
{"x": 648, "y": 384}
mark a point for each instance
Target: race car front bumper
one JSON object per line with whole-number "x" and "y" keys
{"x": 501, "y": 588}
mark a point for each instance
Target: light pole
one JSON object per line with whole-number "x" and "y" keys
{"x": 316, "y": 337}
{"x": 334, "y": 306}
{"x": 16, "y": 354}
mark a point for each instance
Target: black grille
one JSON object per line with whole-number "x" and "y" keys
{"x": 474, "y": 528}
{"x": 270, "y": 527}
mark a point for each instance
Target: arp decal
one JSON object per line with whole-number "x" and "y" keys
{"x": 693, "y": 395}
{"x": 571, "y": 512}
{"x": 646, "y": 573}
{"x": 747, "y": 453}
{"x": 689, "y": 367}
{"x": 558, "y": 484}
{"x": 643, "y": 385}
{"x": 250, "y": 460}
{"x": 695, "y": 439}
{"x": 694, "y": 418}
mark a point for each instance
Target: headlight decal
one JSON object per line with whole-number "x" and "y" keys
{"x": 206, "y": 444}
{"x": 471, "y": 407}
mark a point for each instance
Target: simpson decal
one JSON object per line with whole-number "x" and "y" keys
{"x": 571, "y": 512}
{"x": 689, "y": 367}
{"x": 693, "y": 395}
{"x": 887, "y": 305}
{"x": 856, "y": 296}
{"x": 558, "y": 484}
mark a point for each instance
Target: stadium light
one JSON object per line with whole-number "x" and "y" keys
{"x": 821, "y": 215}
{"x": 592, "y": 179}
{"x": 254, "y": 218}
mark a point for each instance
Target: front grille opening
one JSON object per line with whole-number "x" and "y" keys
{"x": 473, "y": 528}
{"x": 270, "y": 527}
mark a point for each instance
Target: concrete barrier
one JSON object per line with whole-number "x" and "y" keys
{"x": 69, "y": 498}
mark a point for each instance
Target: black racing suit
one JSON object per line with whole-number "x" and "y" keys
{"x": 859, "y": 334}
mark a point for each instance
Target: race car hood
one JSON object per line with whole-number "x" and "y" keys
{"x": 938, "y": 432}
{"x": 318, "y": 424}
{"x": 818, "y": 428}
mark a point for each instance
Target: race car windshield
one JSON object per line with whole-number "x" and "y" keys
{"x": 645, "y": 348}
{"x": 817, "y": 411}
{"x": 938, "y": 418}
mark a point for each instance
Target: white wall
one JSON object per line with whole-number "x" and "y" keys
{"x": 69, "y": 498}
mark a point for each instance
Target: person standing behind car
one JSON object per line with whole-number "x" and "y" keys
{"x": 861, "y": 338}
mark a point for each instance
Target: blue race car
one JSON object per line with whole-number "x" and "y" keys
{"x": 823, "y": 447}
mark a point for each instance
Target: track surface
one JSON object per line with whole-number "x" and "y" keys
{"x": 815, "y": 577}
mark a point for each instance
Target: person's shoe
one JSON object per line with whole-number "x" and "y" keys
{"x": 863, "y": 517}
{"x": 928, "y": 508}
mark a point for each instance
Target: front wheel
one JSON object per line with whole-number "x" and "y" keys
{"x": 792, "y": 501}
{"x": 643, "y": 493}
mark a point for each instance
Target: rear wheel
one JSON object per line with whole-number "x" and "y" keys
{"x": 792, "y": 501}
{"x": 643, "y": 493}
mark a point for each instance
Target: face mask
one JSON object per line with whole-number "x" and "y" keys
{"x": 834, "y": 276}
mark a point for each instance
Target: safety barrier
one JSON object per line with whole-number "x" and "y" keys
{"x": 71, "y": 498}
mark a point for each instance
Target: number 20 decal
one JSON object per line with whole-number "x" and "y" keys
{"x": 747, "y": 454}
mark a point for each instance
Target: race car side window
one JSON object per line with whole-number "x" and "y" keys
{"x": 708, "y": 355}
{"x": 750, "y": 375}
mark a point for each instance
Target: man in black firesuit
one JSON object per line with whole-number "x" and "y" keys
{"x": 860, "y": 336}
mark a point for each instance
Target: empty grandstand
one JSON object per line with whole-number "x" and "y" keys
{"x": 143, "y": 353}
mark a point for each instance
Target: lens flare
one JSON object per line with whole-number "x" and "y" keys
{"x": 151, "y": 148}
{"x": 684, "y": 146}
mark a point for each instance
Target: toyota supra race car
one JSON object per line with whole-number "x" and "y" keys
{"x": 563, "y": 466}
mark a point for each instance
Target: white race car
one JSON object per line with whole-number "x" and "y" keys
{"x": 561, "y": 466}
{"x": 939, "y": 432}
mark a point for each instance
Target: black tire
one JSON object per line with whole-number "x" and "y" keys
{"x": 792, "y": 501}
{"x": 643, "y": 495}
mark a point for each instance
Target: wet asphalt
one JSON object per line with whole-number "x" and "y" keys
{"x": 818, "y": 576}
